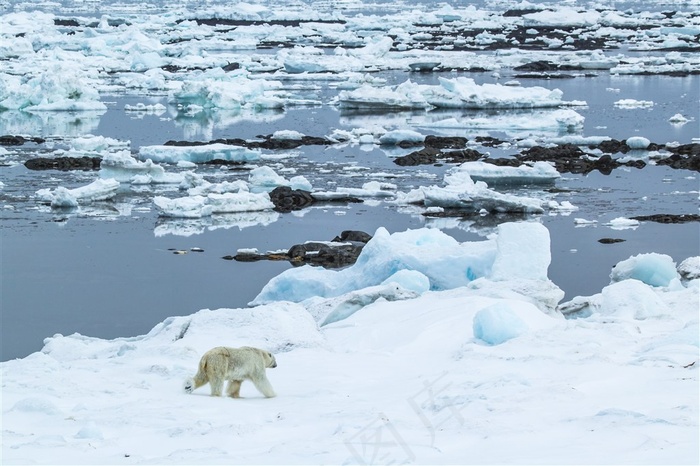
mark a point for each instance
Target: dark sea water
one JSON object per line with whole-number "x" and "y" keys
{"x": 109, "y": 271}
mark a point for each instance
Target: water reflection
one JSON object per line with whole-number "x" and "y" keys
{"x": 200, "y": 125}
{"x": 66, "y": 124}
{"x": 190, "y": 227}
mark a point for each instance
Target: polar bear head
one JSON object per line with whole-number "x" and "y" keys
{"x": 270, "y": 360}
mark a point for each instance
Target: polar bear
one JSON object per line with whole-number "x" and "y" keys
{"x": 235, "y": 365}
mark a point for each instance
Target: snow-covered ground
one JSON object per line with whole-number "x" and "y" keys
{"x": 475, "y": 370}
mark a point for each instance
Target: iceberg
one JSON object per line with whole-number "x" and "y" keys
{"x": 446, "y": 263}
{"x": 438, "y": 256}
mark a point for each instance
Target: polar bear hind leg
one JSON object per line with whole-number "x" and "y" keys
{"x": 234, "y": 388}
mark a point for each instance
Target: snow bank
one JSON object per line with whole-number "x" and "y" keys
{"x": 276, "y": 327}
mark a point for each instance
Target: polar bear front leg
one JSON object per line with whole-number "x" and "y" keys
{"x": 263, "y": 385}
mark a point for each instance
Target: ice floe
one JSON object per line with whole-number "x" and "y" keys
{"x": 198, "y": 153}
{"x": 452, "y": 93}
{"x": 98, "y": 190}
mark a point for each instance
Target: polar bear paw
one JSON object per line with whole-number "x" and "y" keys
{"x": 189, "y": 385}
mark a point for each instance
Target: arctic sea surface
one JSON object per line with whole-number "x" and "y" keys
{"x": 108, "y": 269}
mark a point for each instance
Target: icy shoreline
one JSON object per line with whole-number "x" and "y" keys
{"x": 427, "y": 369}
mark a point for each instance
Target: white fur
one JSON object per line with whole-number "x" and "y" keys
{"x": 235, "y": 365}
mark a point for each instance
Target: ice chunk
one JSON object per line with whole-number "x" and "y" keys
{"x": 239, "y": 202}
{"x": 98, "y": 190}
{"x": 446, "y": 262}
{"x": 631, "y": 299}
{"x": 546, "y": 121}
{"x": 184, "y": 207}
{"x": 198, "y": 154}
{"x": 287, "y": 134}
{"x": 497, "y": 324}
{"x": 515, "y": 261}
{"x": 632, "y": 103}
{"x": 622, "y": 223}
{"x": 678, "y": 119}
{"x": 463, "y": 193}
{"x": 369, "y": 189}
{"x": 123, "y": 167}
{"x": 638, "y": 142}
{"x": 61, "y": 87}
{"x": 329, "y": 310}
{"x": 653, "y": 269}
{"x": 300, "y": 182}
{"x": 689, "y": 269}
{"x": 375, "y": 47}
{"x": 227, "y": 91}
{"x": 471, "y": 95}
{"x": 97, "y": 144}
{"x": 459, "y": 92}
{"x": 406, "y": 96}
{"x": 266, "y": 179}
{"x": 398, "y": 135}
{"x": 410, "y": 280}
{"x": 539, "y": 172}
